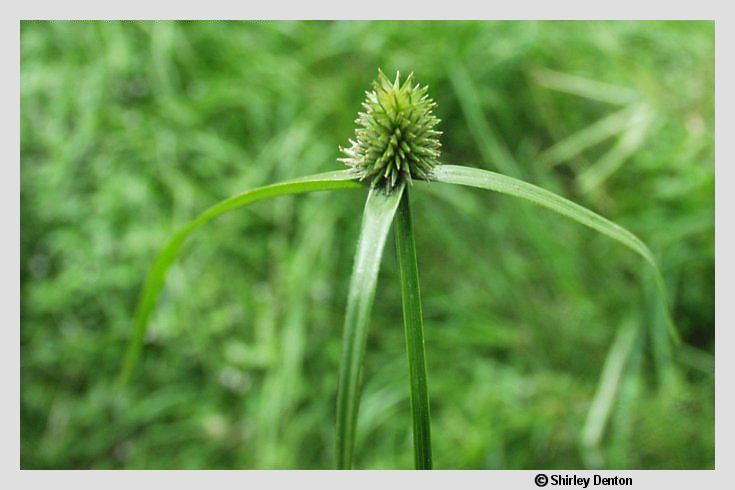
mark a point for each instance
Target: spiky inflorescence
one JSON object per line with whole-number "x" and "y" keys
{"x": 395, "y": 139}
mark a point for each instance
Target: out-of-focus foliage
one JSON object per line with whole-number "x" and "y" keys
{"x": 544, "y": 347}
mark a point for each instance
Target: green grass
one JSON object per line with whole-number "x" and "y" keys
{"x": 392, "y": 132}
{"x": 129, "y": 130}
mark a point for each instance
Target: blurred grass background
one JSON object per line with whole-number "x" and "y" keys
{"x": 544, "y": 346}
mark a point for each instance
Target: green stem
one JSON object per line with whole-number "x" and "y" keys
{"x": 414, "y": 329}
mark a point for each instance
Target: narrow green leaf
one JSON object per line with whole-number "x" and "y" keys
{"x": 597, "y": 132}
{"x": 584, "y": 87}
{"x": 156, "y": 278}
{"x": 379, "y": 211}
{"x": 414, "y": 329}
{"x": 492, "y": 148}
{"x": 484, "y": 179}
{"x": 626, "y": 145}
{"x": 609, "y": 384}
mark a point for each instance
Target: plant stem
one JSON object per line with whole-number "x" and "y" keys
{"x": 414, "y": 329}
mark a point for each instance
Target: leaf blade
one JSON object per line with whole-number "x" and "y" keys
{"x": 156, "y": 277}
{"x": 377, "y": 217}
{"x": 485, "y": 179}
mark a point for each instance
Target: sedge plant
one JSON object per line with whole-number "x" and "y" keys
{"x": 396, "y": 144}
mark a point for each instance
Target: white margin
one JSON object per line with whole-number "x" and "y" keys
{"x": 372, "y": 9}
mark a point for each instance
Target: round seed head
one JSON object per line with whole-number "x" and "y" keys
{"x": 395, "y": 139}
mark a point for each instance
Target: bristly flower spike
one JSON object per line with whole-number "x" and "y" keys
{"x": 395, "y": 139}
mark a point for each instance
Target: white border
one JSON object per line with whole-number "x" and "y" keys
{"x": 371, "y": 9}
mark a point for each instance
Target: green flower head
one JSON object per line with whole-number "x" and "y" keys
{"x": 395, "y": 139}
